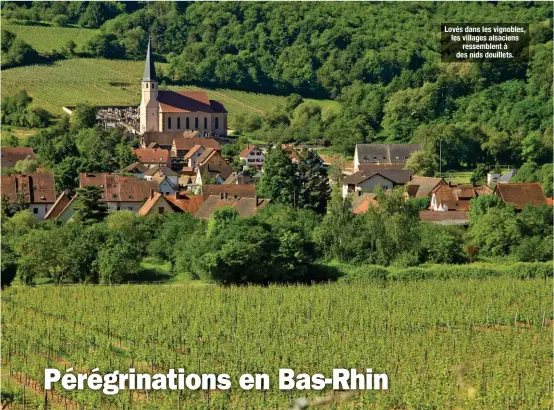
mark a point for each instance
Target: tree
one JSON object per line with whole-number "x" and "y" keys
{"x": 278, "y": 181}
{"x": 12, "y": 140}
{"x": 496, "y": 232}
{"x": 10, "y": 207}
{"x": 422, "y": 163}
{"x": 26, "y": 165}
{"x": 478, "y": 174}
{"x": 117, "y": 260}
{"x": 532, "y": 148}
{"x": 313, "y": 183}
{"x": 480, "y": 206}
{"x": 84, "y": 116}
{"x": 88, "y": 207}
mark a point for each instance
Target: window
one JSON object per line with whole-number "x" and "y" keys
{"x": 188, "y": 123}
{"x": 205, "y": 123}
{"x": 351, "y": 187}
{"x": 146, "y": 85}
{"x": 118, "y": 208}
{"x": 130, "y": 208}
{"x": 216, "y": 122}
{"x": 153, "y": 86}
{"x": 169, "y": 123}
{"x": 35, "y": 210}
{"x": 196, "y": 123}
{"x": 179, "y": 123}
{"x": 161, "y": 210}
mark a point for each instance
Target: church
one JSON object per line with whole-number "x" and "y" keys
{"x": 177, "y": 111}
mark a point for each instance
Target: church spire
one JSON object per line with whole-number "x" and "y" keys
{"x": 149, "y": 69}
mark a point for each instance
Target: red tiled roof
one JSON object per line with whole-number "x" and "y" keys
{"x": 458, "y": 197}
{"x": 179, "y": 202}
{"x": 38, "y": 187}
{"x": 188, "y": 101}
{"x": 241, "y": 190}
{"x": 192, "y": 151}
{"x": 119, "y": 188}
{"x": 152, "y": 156}
{"x": 445, "y": 217}
{"x": 10, "y": 155}
{"x": 247, "y": 150}
{"x": 244, "y": 206}
{"x": 61, "y": 203}
{"x": 521, "y": 194}
{"x": 186, "y": 144}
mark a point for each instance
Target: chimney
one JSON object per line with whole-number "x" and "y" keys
{"x": 226, "y": 195}
{"x": 221, "y": 195}
{"x": 152, "y": 193}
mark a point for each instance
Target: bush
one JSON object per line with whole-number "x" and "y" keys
{"x": 534, "y": 249}
{"x": 462, "y": 271}
{"x": 365, "y": 273}
{"x": 530, "y": 270}
{"x": 411, "y": 274}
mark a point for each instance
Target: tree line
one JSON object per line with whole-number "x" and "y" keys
{"x": 281, "y": 243}
{"x": 381, "y": 61}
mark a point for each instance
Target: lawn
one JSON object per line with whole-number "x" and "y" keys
{"x": 46, "y": 39}
{"x": 21, "y": 133}
{"x": 117, "y": 82}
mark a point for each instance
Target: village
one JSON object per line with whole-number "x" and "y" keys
{"x": 180, "y": 168}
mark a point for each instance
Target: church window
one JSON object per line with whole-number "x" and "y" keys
{"x": 169, "y": 123}
{"x": 188, "y": 123}
{"x": 153, "y": 86}
{"x": 179, "y": 123}
{"x": 146, "y": 85}
{"x": 196, "y": 123}
{"x": 216, "y": 122}
{"x": 205, "y": 123}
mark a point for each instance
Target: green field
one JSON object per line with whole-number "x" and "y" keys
{"x": 479, "y": 344}
{"x": 115, "y": 82}
{"x": 45, "y": 39}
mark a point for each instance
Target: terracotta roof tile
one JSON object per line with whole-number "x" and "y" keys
{"x": 10, "y": 155}
{"x": 152, "y": 156}
{"x": 521, "y": 194}
{"x": 188, "y": 101}
{"x": 38, "y": 187}
{"x": 185, "y": 144}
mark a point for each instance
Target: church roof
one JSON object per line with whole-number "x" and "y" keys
{"x": 188, "y": 101}
{"x": 149, "y": 69}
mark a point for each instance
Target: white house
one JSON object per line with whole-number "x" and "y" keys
{"x": 252, "y": 156}
{"x": 363, "y": 181}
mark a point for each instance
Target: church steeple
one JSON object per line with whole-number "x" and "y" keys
{"x": 149, "y": 107}
{"x": 149, "y": 69}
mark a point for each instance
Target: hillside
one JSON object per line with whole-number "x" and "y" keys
{"x": 116, "y": 82}
{"x": 45, "y": 39}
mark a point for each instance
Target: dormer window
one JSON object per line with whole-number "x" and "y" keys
{"x": 43, "y": 198}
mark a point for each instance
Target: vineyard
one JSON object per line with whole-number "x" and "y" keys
{"x": 46, "y": 39}
{"x": 116, "y": 82}
{"x": 480, "y": 344}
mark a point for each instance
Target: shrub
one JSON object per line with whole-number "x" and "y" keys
{"x": 365, "y": 273}
{"x": 411, "y": 274}
{"x": 530, "y": 270}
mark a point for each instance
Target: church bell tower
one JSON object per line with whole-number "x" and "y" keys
{"x": 149, "y": 108}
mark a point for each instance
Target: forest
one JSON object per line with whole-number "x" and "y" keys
{"x": 380, "y": 60}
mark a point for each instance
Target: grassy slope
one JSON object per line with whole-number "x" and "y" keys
{"x": 115, "y": 82}
{"x": 45, "y": 39}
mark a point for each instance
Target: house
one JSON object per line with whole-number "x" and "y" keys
{"x": 162, "y": 171}
{"x": 191, "y": 156}
{"x": 454, "y": 197}
{"x": 367, "y": 181}
{"x": 252, "y": 156}
{"x": 212, "y": 163}
{"x": 37, "y": 190}
{"x": 153, "y": 156}
{"x": 136, "y": 168}
{"x": 237, "y": 178}
{"x": 178, "y": 202}
{"x": 62, "y": 202}
{"x": 521, "y": 194}
{"x": 164, "y": 140}
{"x": 118, "y": 191}
{"x": 419, "y": 187}
{"x": 445, "y": 218}
{"x": 245, "y": 206}
{"x": 166, "y": 178}
{"x": 295, "y": 154}
{"x": 10, "y": 155}
{"x": 362, "y": 202}
{"x": 162, "y": 111}
{"x": 383, "y": 154}
{"x": 240, "y": 190}
{"x": 494, "y": 178}
{"x": 181, "y": 146}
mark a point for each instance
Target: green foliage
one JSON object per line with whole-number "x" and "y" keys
{"x": 26, "y": 165}
{"x": 422, "y": 163}
{"x": 478, "y": 176}
{"x": 278, "y": 179}
{"x": 89, "y": 207}
{"x": 16, "y": 110}
{"x": 479, "y": 206}
{"x": 421, "y": 203}
{"x": 495, "y": 232}
{"x": 16, "y": 52}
